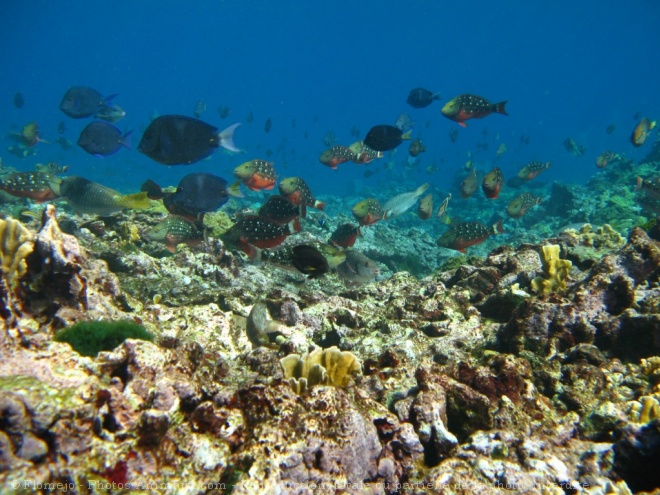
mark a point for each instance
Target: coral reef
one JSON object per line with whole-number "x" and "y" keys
{"x": 320, "y": 367}
{"x": 555, "y": 271}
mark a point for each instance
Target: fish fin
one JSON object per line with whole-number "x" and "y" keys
{"x": 422, "y": 189}
{"x": 153, "y": 190}
{"x": 137, "y": 201}
{"x": 126, "y": 140}
{"x": 406, "y": 135}
{"x": 235, "y": 190}
{"x": 54, "y": 184}
{"x": 462, "y": 124}
{"x": 294, "y": 225}
{"x": 303, "y": 210}
{"x": 499, "y": 107}
{"x": 226, "y": 138}
{"x": 107, "y": 101}
{"x": 386, "y": 214}
{"x": 462, "y": 250}
{"x": 319, "y": 205}
{"x": 251, "y": 251}
{"x": 171, "y": 247}
{"x": 498, "y": 228}
{"x": 435, "y": 96}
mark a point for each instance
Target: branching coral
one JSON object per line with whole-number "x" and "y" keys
{"x": 16, "y": 243}
{"x": 555, "y": 270}
{"x": 320, "y": 367}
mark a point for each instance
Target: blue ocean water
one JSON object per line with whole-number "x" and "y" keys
{"x": 566, "y": 68}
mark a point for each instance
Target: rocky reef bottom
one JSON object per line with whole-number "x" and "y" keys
{"x": 470, "y": 382}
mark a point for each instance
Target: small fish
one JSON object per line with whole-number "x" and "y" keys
{"x": 29, "y": 135}
{"x": 425, "y": 208}
{"x": 249, "y": 118}
{"x": 368, "y": 211}
{"x": 38, "y": 186}
{"x": 604, "y": 158}
{"x": 82, "y": 101}
{"x": 279, "y": 209}
{"x": 252, "y": 232}
{"x": 532, "y": 170}
{"x": 86, "y": 196}
{"x": 501, "y": 149}
{"x": 363, "y": 153}
{"x": 345, "y": 235}
{"x": 385, "y": 137}
{"x": 257, "y": 174}
{"x": 200, "y": 108}
{"x": 610, "y": 128}
{"x": 404, "y": 122}
{"x": 175, "y": 230}
{"x": 573, "y": 148}
{"x": 336, "y": 156}
{"x": 53, "y": 168}
{"x": 225, "y": 111}
{"x": 492, "y": 183}
{"x": 467, "y": 106}
{"x": 453, "y": 134}
{"x": 442, "y": 211}
{"x": 329, "y": 139}
{"x": 642, "y": 131}
{"x": 469, "y": 164}
{"x": 181, "y": 140}
{"x": 421, "y": 98}
{"x": 649, "y": 186}
{"x": 460, "y": 236}
{"x": 416, "y": 147}
{"x": 469, "y": 185}
{"x": 521, "y": 204}
{"x": 268, "y": 125}
{"x": 357, "y": 269}
{"x": 19, "y": 101}
{"x": 297, "y": 191}
{"x": 401, "y": 203}
{"x": 292, "y": 255}
{"x": 111, "y": 114}
{"x": 61, "y": 127}
{"x": 100, "y": 138}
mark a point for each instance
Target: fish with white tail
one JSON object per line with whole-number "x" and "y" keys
{"x": 401, "y": 203}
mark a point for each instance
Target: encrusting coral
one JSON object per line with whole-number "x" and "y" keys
{"x": 16, "y": 243}
{"x": 555, "y": 270}
{"x": 320, "y": 367}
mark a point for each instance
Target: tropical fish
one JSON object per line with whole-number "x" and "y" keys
{"x": 268, "y": 125}
{"x": 368, "y": 211}
{"x": 401, "y": 203}
{"x": 111, "y": 114}
{"x": 61, "y": 127}
{"x": 357, "y": 269}
{"x": 337, "y": 155}
{"x": 610, "y": 128}
{"x": 329, "y": 139}
{"x": 175, "y": 230}
{"x": 404, "y": 122}
{"x": 224, "y": 112}
{"x": 650, "y": 186}
{"x": 305, "y": 259}
{"x": 521, "y": 204}
{"x": 421, "y": 98}
{"x": 467, "y": 106}
{"x": 38, "y": 186}
{"x": 256, "y": 174}
{"x": 469, "y": 184}
{"x": 501, "y": 149}
{"x": 86, "y": 196}
{"x": 573, "y": 148}
{"x": 252, "y": 232}
{"x": 181, "y": 140}
{"x": 385, "y": 137}
{"x": 279, "y": 209}
{"x": 463, "y": 235}
{"x": 416, "y": 147}
{"x": 604, "y": 158}
{"x": 19, "y": 101}
{"x": 249, "y": 118}
{"x": 297, "y": 191}
{"x": 200, "y": 108}
{"x": 453, "y": 134}
{"x": 197, "y": 193}
{"x": 641, "y": 132}
{"x": 443, "y": 207}
{"x": 310, "y": 261}
{"x": 82, "y": 101}
{"x": 29, "y": 135}
{"x": 363, "y": 153}
{"x": 100, "y": 138}
{"x": 51, "y": 168}
{"x": 532, "y": 169}
{"x": 425, "y": 208}
{"x": 345, "y": 235}
{"x": 492, "y": 183}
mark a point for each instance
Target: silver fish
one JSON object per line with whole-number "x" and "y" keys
{"x": 401, "y": 203}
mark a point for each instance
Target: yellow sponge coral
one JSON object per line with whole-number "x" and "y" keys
{"x": 16, "y": 243}
{"x": 320, "y": 367}
{"x": 555, "y": 270}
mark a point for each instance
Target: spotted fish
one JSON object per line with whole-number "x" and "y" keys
{"x": 463, "y": 235}
{"x": 38, "y": 186}
{"x": 252, "y": 232}
{"x": 492, "y": 183}
{"x": 257, "y": 174}
{"x": 521, "y": 204}
{"x": 533, "y": 169}
{"x": 466, "y": 106}
{"x": 297, "y": 191}
{"x": 368, "y": 211}
{"x": 336, "y": 156}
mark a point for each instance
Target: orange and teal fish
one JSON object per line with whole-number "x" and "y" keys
{"x": 368, "y": 211}
{"x": 336, "y": 156}
{"x": 345, "y": 235}
{"x": 252, "y": 232}
{"x": 257, "y": 174}
{"x": 297, "y": 191}
{"x": 469, "y": 184}
{"x": 531, "y": 170}
{"x": 363, "y": 153}
{"x": 38, "y": 186}
{"x": 605, "y": 158}
{"x": 521, "y": 204}
{"x": 175, "y": 230}
{"x": 463, "y": 235}
{"x": 492, "y": 183}
{"x": 425, "y": 208}
{"x": 466, "y": 106}
{"x": 641, "y": 132}
{"x": 279, "y": 209}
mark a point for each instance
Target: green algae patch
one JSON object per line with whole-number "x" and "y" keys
{"x": 88, "y": 338}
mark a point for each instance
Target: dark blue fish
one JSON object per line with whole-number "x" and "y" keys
{"x": 421, "y": 97}
{"x": 101, "y": 138}
{"x": 81, "y": 101}
{"x": 197, "y": 193}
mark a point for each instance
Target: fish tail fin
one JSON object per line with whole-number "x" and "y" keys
{"x": 462, "y": 124}
{"x": 294, "y": 226}
{"x": 380, "y": 154}
{"x": 386, "y": 214}
{"x": 319, "y": 205}
{"x": 640, "y": 183}
{"x": 436, "y": 96}
{"x": 407, "y": 135}
{"x": 499, "y": 107}
{"x": 359, "y": 232}
{"x": 498, "y": 228}
{"x": 137, "y": 201}
{"x": 539, "y": 200}
{"x": 153, "y": 190}
{"x": 126, "y": 140}
{"x": 226, "y": 138}
{"x": 422, "y": 189}
{"x": 653, "y": 124}
{"x": 235, "y": 190}
{"x": 251, "y": 251}
{"x": 107, "y": 101}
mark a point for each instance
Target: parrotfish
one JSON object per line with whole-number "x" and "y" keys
{"x": 492, "y": 183}
{"x": 641, "y": 132}
{"x": 297, "y": 191}
{"x": 363, "y": 153}
{"x": 86, "y": 196}
{"x": 604, "y": 158}
{"x": 401, "y": 203}
{"x": 252, "y": 232}
{"x": 345, "y": 235}
{"x": 463, "y": 235}
{"x": 469, "y": 184}
{"x": 368, "y": 211}
{"x": 425, "y": 208}
{"x": 257, "y": 174}
{"x": 649, "y": 186}
{"x": 175, "y": 230}
{"x": 416, "y": 147}
{"x": 38, "y": 186}
{"x": 467, "y": 106}
{"x": 336, "y": 156}
{"x": 279, "y": 209}
{"x": 532, "y": 169}
{"x": 521, "y": 204}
